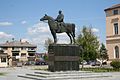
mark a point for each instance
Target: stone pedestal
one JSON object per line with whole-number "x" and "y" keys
{"x": 63, "y": 57}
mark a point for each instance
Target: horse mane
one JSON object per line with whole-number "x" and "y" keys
{"x": 51, "y": 18}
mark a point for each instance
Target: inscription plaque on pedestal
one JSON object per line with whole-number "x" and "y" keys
{"x": 63, "y": 57}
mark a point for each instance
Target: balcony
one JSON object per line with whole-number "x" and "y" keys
{"x": 15, "y": 50}
{"x": 31, "y": 51}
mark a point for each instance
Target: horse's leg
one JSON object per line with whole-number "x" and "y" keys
{"x": 54, "y": 36}
{"x": 73, "y": 32}
{"x": 73, "y": 37}
{"x": 69, "y": 37}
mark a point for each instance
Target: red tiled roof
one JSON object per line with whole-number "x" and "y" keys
{"x": 17, "y": 44}
{"x": 113, "y": 7}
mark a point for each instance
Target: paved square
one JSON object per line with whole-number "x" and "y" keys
{"x": 27, "y": 73}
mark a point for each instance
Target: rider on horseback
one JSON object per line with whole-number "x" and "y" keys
{"x": 59, "y": 19}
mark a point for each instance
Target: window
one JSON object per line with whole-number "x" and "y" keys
{"x": 116, "y": 52}
{"x": 23, "y": 54}
{"x": 14, "y": 48}
{"x": 116, "y": 28}
{"x": 115, "y": 12}
{"x": 30, "y": 49}
{"x": 3, "y": 59}
{"x": 31, "y": 54}
{"x": 5, "y": 48}
{"x": 15, "y": 54}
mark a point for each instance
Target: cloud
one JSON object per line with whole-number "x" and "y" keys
{"x": 39, "y": 40}
{"x": 24, "y": 22}
{"x": 95, "y": 30}
{"x": 4, "y": 35}
{"x": 39, "y": 32}
{"x": 6, "y": 23}
{"x": 63, "y": 38}
{"x": 38, "y": 28}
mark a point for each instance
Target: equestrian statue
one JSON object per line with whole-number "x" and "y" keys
{"x": 58, "y": 26}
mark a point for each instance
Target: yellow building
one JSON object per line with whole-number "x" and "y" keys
{"x": 113, "y": 31}
{"x": 19, "y": 51}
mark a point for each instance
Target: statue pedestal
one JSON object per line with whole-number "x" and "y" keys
{"x": 63, "y": 57}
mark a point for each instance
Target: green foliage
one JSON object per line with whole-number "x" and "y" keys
{"x": 1, "y": 74}
{"x": 115, "y": 64}
{"x": 103, "y": 52}
{"x": 45, "y": 57}
{"x": 99, "y": 69}
{"x": 89, "y": 43}
{"x": 47, "y": 43}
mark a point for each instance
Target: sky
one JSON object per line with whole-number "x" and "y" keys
{"x": 20, "y": 19}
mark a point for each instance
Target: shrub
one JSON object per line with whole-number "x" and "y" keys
{"x": 115, "y": 64}
{"x": 1, "y": 74}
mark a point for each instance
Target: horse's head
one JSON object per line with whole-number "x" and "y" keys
{"x": 46, "y": 17}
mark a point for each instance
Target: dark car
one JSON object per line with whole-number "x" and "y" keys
{"x": 40, "y": 63}
{"x": 95, "y": 63}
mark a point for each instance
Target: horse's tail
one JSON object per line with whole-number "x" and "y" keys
{"x": 73, "y": 28}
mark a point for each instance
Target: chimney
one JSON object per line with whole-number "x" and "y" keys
{"x": 13, "y": 39}
{"x": 7, "y": 41}
{"x": 20, "y": 40}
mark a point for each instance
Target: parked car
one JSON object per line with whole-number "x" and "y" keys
{"x": 40, "y": 62}
{"x": 104, "y": 63}
{"x": 84, "y": 62}
{"x": 29, "y": 63}
{"x": 95, "y": 63}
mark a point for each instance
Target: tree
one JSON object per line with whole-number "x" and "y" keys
{"x": 115, "y": 64}
{"x": 47, "y": 43}
{"x": 89, "y": 43}
{"x": 45, "y": 57}
{"x": 103, "y": 53}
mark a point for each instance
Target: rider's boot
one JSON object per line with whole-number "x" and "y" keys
{"x": 59, "y": 28}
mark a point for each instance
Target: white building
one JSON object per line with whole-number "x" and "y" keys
{"x": 18, "y": 51}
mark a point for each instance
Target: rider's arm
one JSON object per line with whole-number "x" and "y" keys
{"x": 61, "y": 17}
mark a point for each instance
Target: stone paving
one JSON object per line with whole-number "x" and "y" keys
{"x": 27, "y": 73}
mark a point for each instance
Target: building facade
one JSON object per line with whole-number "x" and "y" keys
{"x": 3, "y": 59}
{"x": 18, "y": 51}
{"x": 113, "y": 31}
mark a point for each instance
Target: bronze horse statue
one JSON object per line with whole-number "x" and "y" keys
{"x": 53, "y": 25}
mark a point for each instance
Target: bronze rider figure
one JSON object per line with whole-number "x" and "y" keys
{"x": 60, "y": 20}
